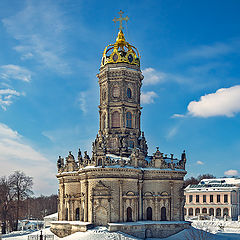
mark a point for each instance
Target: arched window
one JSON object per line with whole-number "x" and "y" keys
{"x": 129, "y": 214}
{"x": 149, "y": 213}
{"x": 218, "y": 212}
{"x": 100, "y": 162}
{"x": 66, "y": 216}
{"x": 116, "y": 92}
{"x": 163, "y": 214}
{"x": 225, "y": 212}
{"x": 204, "y": 211}
{"x": 129, "y": 120}
{"x": 190, "y": 212}
{"x": 211, "y": 212}
{"x": 197, "y": 211}
{"x": 77, "y": 216}
{"x": 131, "y": 144}
{"x": 129, "y": 93}
{"x": 116, "y": 119}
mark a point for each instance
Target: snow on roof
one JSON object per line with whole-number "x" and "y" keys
{"x": 221, "y": 181}
{"x": 215, "y": 184}
{"x": 54, "y": 215}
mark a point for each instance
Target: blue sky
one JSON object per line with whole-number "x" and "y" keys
{"x": 50, "y": 55}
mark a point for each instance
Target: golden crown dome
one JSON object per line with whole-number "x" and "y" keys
{"x": 120, "y": 52}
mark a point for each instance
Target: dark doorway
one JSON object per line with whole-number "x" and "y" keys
{"x": 149, "y": 213}
{"x": 163, "y": 214}
{"x": 129, "y": 214}
{"x": 77, "y": 217}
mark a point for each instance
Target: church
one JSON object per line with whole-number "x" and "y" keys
{"x": 120, "y": 182}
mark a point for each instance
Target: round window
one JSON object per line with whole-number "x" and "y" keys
{"x": 129, "y": 93}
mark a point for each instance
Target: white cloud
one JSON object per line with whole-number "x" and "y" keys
{"x": 15, "y": 72}
{"x": 6, "y": 96}
{"x": 231, "y": 172}
{"x": 17, "y": 154}
{"x": 200, "y": 162}
{"x": 82, "y": 101}
{"x": 152, "y": 77}
{"x": 176, "y": 115}
{"x": 209, "y": 51}
{"x": 172, "y": 132}
{"x": 224, "y": 102}
{"x": 39, "y": 30}
{"x": 148, "y": 97}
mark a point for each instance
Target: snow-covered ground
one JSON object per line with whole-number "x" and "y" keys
{"x": 211, "y": 230}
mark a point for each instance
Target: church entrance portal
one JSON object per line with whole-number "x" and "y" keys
{"x": 129, "y": 214}
{"x": 163, "y": 214}
{"x": 101, "y": 216}
{"x": 149, "y": 213}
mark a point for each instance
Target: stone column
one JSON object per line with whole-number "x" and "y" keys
{"x": 172, "y": 202}
{"x": 123, "y": 118}
{"x": 71, "y": 209}
{"x": 120, "y": 201}
{"x": 140, "y": 200}
{"x": 86, "y": 202}
{"x": 155, "y": 209}
{"x": 91, "y": 210}
{"x": 109, "y": 212}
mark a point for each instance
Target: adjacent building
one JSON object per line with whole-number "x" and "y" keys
{"x": 219, "y": 198}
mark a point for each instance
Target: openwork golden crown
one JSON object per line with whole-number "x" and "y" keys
{"x": 120, "y": 52}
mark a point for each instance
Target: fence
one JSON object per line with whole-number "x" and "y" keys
{"x": 41, "y": 237}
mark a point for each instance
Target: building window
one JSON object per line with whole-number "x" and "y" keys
{"x": 197, "y": 198}
{"x": 129, "y": 214}
{"x": 129, "y": 120}
{"x": 77, "y": 216}
{"x": 66, "y": 214}
{"x": 204, "y": 211}
{"x": 116, "y": 92}
{"x": 129, "y": 93}
{"x": 218, "y": 198}
{"x": 225, "y": 198}
{"x": 116, "y": 119}
{"x": 190, "y": 198}
{"x": 190, "y": 212}
{"x": 204, "y": 198}
{"x": 218, "y": 212}
{"x": 100, "y": 162}
{"x": 163, "y": 214}
{"x": 225, "y": 212}
{"x": 211, "y": 212}
{"x": 197, "y": 211}
{"x": 131, "y": 144}
{"x": 211, "y": 198}
{"x": 149, "y": 213}
{"x": 185, "y": 211}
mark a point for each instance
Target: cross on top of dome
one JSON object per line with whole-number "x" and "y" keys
{"x": 120, "y": 20}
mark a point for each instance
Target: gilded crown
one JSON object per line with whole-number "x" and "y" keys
{"x": 120, "y": 52}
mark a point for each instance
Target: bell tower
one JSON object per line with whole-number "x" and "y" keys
{"x": 120, "y": 81}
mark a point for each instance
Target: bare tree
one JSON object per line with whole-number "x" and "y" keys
{"x": 196, "y": 180}
{"x": 21, "y": 186}
{"x": 6, "y": 201}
